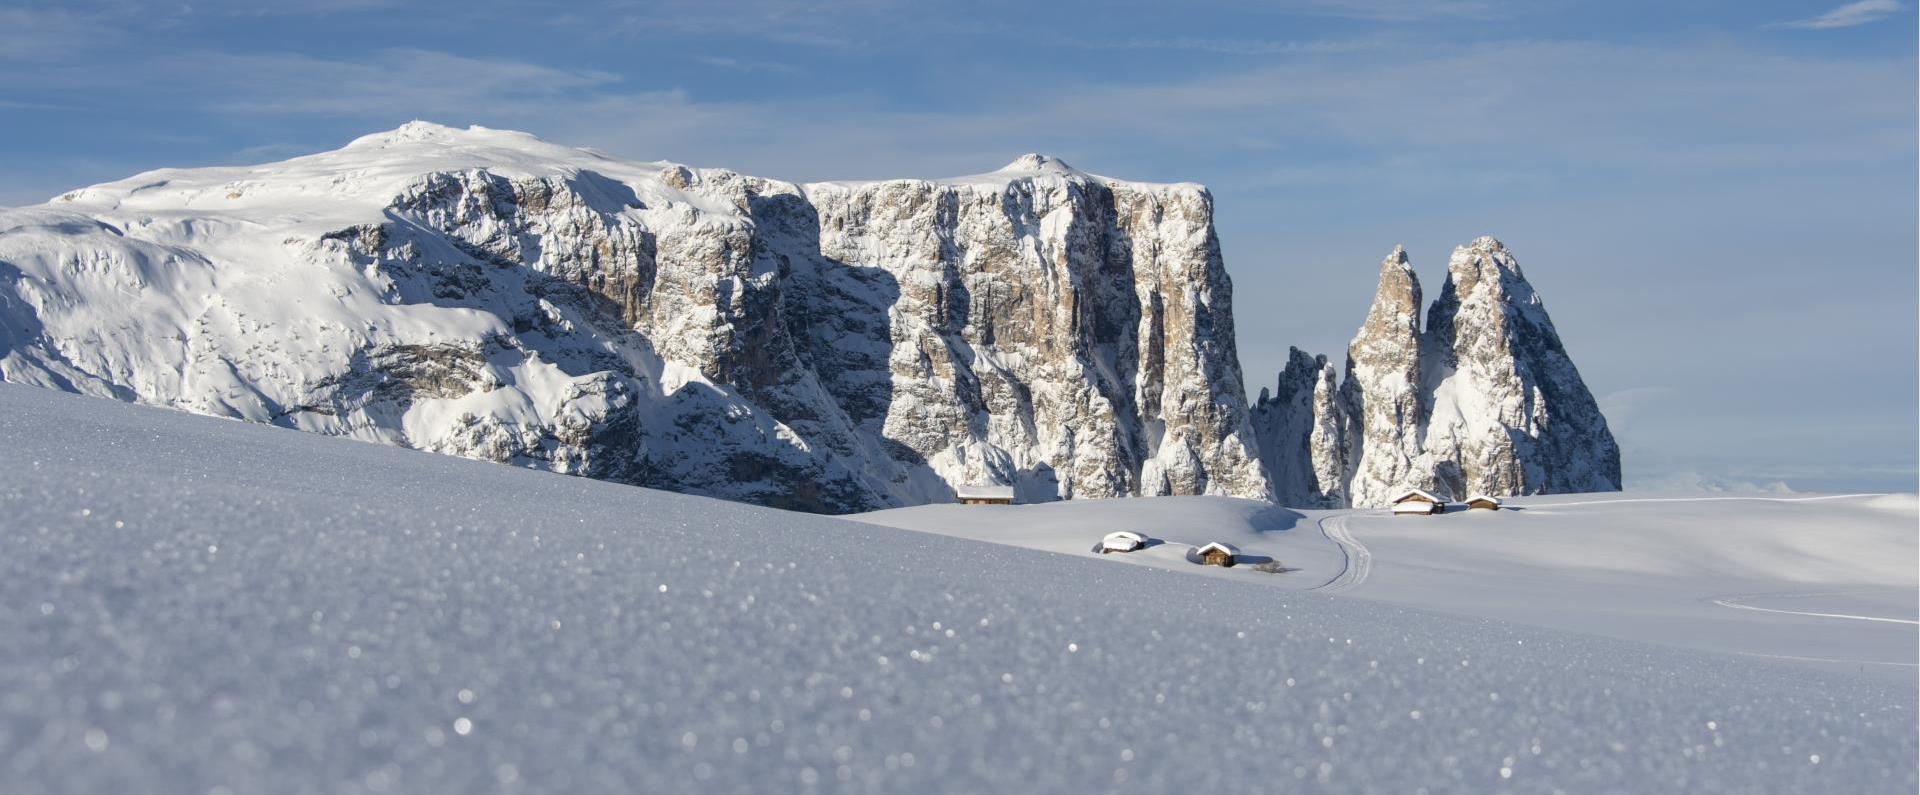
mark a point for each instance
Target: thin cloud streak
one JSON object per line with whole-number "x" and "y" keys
{"x": 1233, "y": 46}
{"x": 743, "y": 65}
{"x": 1850, "y": 15}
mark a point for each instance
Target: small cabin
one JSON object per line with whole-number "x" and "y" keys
{"x": 1122, "y": 541}
{"x": 1217, "y": 554}
{"x": 984, "y": 495}
{"x": 1483, "y": 502}
{"x": 1414, "y": 502}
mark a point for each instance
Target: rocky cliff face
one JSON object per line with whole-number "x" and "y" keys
{"x": 1381, "y": 398}
{"x": 1303, "y": 434}
{"x": 829, "y": 347}
{"x": 1065, "y": 333}
{"x": 1508, "y": 412}
{"x": 1485, "y": 400}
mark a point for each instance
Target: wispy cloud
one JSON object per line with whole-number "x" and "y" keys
{"x": 1443, "y": 117}
{"x": 1850, "y": 15}
{"x": 820, "y": 24}
{"x": 1396, "y": 10}
{"x": 419, "y": 82}
{"x": 1231, "y": 46}
{"x": 745, "y": 65}
{"x": 50, "y": 34}
{"x": 11, "y": 104}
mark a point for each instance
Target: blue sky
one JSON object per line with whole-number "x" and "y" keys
{"x": 1716, "y": 199}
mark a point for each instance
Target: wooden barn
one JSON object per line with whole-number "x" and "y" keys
{"x": 1122, "y": 541}
{"x": 1217, "y": 554}
{"x": 1414, "y": 502}
{"x": 1483, "y": 502}
{"x": 984, "y": 495}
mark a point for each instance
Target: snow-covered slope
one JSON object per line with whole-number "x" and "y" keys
{"x": 192, "y": 605}
{"x": 1174, "y": 528}
{"x": 1674, "y": 570}
{"x": 827, "y": 347}
{"x": 1484, "y": 401}
{"x": 1684, "y": 570}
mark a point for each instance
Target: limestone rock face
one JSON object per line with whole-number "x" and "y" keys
{"x": 1509, "y": 413}
{"x": 1303, "y": 433}
{"x": 1485, "y": 400}
{"x": 1381, "y": 397}
{"x": 1037, "y": 326}
{"x": 829, "y": 347}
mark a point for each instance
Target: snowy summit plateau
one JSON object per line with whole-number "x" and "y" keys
{"x": 831, "y": 347}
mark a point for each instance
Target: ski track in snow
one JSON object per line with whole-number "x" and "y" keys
{"x": 1824, "y": 659}
{"x": 1359, "y": 560}
{"x": 1730, "y": 601}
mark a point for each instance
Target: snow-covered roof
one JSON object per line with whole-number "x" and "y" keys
{"x": 1227, "y": 548}
{"x": 1483, "y": 498}
{"x": 1128, "y": 535}
{"x": 1417, "y": 494}
{"x": 984, "y": 492}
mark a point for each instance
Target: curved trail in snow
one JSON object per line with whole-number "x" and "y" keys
{"x": 1359, "y": 560}
{"x": 1824, "y": 659}
{"x": 1730, "y": 601}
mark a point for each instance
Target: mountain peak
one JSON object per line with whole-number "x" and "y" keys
{"x": 1399, "y": 290}
{"x": 1484, "y": 245}
{"x": 1034, "y": 161}
{"x": 419, "y": 131}
{"x": 1484, "y": 251}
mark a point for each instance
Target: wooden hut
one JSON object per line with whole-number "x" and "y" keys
{"x": 984, "y": 495}
{"x": 1483, "y": 502}
{"x": 1414, "y": 502}
{"x": 1217, "y": 554}
{"x": 1122, "y": 541}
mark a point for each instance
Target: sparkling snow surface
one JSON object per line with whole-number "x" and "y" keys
{"x": 196, "y": 605}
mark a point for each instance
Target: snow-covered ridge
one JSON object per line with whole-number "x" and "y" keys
{"x": 833, "y": 347}
{"x": 1027, "y": 167}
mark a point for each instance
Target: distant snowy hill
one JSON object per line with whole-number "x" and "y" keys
{"x": 828, "y": 347}
{"x": 192, "y": 605}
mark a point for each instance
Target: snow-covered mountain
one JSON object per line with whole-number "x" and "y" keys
{"x": 1485, "y": 400}
{"x": 829, "y": 347}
